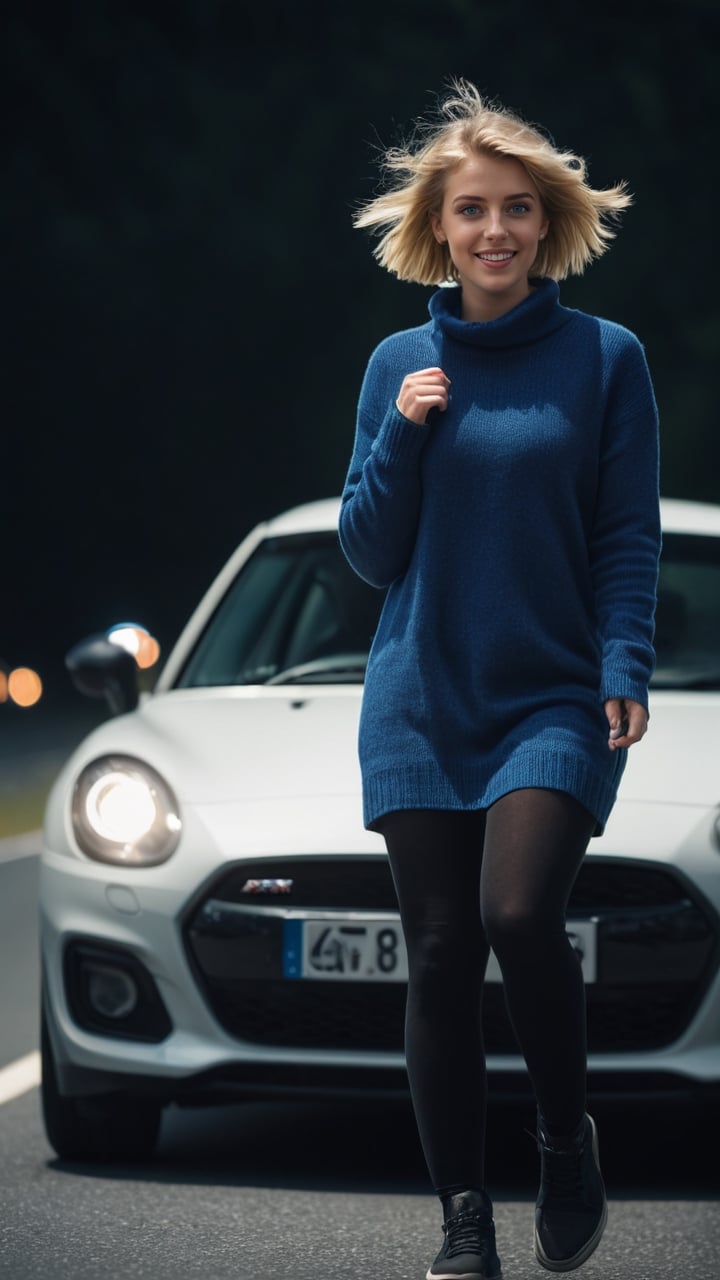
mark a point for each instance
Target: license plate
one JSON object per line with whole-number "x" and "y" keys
{"x": 370, "y": 948}
{"x": 345, "y": 948}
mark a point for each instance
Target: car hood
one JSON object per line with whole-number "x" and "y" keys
{"x": 216, "y": 746}
{"x": 258, "y": 744}
{"x": 677, "y": 761}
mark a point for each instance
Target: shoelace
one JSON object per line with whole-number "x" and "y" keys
{"x": 562, "y": 1172}
{"x": 466, "y": 1233}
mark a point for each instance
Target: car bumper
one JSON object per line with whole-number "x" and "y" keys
{"x": 210, "y": 1047}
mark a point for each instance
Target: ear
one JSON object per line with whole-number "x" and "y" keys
{"x": 544, "y": 228}
{"x": 437, "y": 230}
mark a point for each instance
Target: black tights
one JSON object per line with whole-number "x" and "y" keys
{"x": 466, "y": 882}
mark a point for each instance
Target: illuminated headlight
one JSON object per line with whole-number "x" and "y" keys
{"x": 123, "y": 812}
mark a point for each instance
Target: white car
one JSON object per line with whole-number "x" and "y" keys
{"x": 216, "y": 923}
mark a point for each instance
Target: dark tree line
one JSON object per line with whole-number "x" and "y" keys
{"x": 188, "y": 310}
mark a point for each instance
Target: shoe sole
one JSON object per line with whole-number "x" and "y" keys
{"x": 570, "y": 1264}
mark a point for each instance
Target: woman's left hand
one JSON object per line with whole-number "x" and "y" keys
{"x": 627, "y": 720}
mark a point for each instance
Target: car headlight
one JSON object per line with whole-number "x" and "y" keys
{"x": 123, "y": 812}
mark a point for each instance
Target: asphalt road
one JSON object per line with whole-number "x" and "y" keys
{"x": 321, "y": 1192}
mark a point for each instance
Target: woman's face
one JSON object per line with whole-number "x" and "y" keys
{"x": 491, "y": 220}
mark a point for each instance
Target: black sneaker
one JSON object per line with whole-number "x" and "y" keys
{"x": 571, "y": 1210}
{"x": 469, "y": 1249}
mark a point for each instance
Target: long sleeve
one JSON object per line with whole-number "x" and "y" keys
{"x": 625, "y": 539}
{"x": 382, "y": 494}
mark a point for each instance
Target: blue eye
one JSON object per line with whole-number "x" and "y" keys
{"x": 470, "y": 210}
{"x": 519, "y": 208}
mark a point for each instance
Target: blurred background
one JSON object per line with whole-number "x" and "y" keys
{"x": 188, "y": 311}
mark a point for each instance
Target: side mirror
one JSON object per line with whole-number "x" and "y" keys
{"x": 101, "y": 669}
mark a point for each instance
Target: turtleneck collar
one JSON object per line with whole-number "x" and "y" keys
{"x": 532, "y": 319}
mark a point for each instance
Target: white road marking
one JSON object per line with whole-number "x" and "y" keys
{"x": 19, "y": 1077}
{"x": 24, "y": 846}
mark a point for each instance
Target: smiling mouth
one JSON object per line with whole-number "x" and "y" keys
{"x": 504, "y": 256}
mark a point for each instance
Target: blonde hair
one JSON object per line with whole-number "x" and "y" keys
{"x": 578, "y": 214}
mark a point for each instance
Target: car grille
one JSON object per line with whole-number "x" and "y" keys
{"x": 657, "y": 951}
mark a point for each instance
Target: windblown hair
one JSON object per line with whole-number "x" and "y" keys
{"x": 580, "y": 217}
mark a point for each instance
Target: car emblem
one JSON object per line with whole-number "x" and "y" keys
{"x": 267, "y": 886}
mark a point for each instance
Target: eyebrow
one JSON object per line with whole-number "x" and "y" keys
{"x": 519, "y": 195}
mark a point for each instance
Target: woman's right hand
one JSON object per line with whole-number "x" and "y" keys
{"x": 422, "y": 391}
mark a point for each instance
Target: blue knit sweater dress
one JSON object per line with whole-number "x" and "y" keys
{"x": 518, "y": 535}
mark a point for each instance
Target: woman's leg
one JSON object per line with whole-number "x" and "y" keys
{"x": 534, "y": 844}
{"x": 436, "y": 858}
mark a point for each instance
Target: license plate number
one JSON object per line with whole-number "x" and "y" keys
{"x": 345, "y": 948}
{"x": 370, "y": 948}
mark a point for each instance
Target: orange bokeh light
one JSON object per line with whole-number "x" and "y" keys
{"x": 148, "y": 652}
{"x": 24, "y": 686}
{"x": 3, "y": 687}
{"x": 143, "y": 647}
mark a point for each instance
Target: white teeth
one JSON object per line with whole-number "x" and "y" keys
{"x": 495, "y": 257}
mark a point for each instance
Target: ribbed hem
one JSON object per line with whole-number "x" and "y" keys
{"x": 423, "y": 786}
{"x": 620, "y": 684}
{"x": 399, "y": 439}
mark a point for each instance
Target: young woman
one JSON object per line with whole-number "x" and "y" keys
{"x": 504, "y": 488}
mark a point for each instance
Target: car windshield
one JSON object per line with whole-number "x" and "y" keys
{"x": 297, "y": 614}
{"x": 687, "y": 635}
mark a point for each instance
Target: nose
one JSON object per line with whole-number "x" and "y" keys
{"x": 494, "y": 226}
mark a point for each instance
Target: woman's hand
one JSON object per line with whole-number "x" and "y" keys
{"x": 627, "y": 720}
{"x": 422, "y": 391}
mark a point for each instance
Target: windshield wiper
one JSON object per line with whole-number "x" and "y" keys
{"x": 347, "y": 664}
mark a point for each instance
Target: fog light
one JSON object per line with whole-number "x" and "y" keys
{"x": 111, "y": 992}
